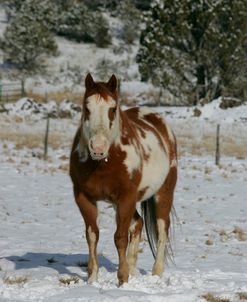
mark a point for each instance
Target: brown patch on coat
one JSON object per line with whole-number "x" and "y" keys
{"x": 159, "y": 124}
{"x": 112, "y": 115}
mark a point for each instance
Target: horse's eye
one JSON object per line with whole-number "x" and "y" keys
{"x": 87, "y": 110}
{"x": 114, "y": 109}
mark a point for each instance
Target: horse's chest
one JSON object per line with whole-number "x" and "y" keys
{"x": 103, "y": 183}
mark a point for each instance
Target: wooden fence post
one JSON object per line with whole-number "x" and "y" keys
{"x": 217, "y": 151}
{"x": 46, "y": 137}
{"x": 23, "y": 93}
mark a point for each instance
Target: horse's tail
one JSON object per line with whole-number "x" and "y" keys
{"x": 149, "y": 216}
{"x": 150, "y": 220}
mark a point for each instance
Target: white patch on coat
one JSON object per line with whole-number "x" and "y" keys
{"x": 174, "y": 163}
{"x": 133, "y": 248}
{"x": 144, "y": 111}
{"x": 155, "y": 170}
{"x": 132, "y": 160}
{"x": 158, "y": 267}
{"x": 133, "y": 253}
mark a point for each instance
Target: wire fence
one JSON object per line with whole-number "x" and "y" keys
{"x": 10, "y": 92}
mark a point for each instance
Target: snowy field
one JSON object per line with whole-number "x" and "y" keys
{"x": 43, "y": 250}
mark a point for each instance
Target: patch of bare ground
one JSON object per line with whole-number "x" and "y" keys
{"x": 15, "y": 280}
{"x": 57, "y": 96}
{"x": 69, "y": 280}
{"x": 212, "y": 298}
{"x": 228, "y": 147}
{"x": 239, "y": 233}
{"x": 34, "y": 140}
{"x": 242, "y": 296}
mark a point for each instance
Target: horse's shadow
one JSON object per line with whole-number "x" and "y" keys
{"x": 59, "y": 262}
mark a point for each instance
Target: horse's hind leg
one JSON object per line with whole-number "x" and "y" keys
{"x": 164, "y": 200}
{"x": 89, "y": 213}
{"x": 135, "y": 236}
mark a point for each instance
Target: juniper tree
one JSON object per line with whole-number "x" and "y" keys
{"x": 131, "y": 19}
{"x": 28, "y": 36}
{"x": 196, "y": 49}
{"x": 81, "y": 24}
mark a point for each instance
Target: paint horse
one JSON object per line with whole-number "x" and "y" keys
{"x": 123, "y": 157}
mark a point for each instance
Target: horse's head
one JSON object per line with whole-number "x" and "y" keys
{"x": 100, "y": 116}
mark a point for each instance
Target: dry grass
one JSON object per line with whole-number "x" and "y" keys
{"x": 211, "y": 298}
{"x": 242, "y": 295}
{"x": 229, "y": 147}
{"x": 209, "y": 242}
{"x": 64, "y": 168}
{"x": 69, "y": 280}
{"x": 199, "y": 141}
{"x": 224, "y": 236}
{"x": 33, "y": 140}
{"x": 58, "y": 96}
{"x": 15, "y": 280}
{"x": 239, "y": 233}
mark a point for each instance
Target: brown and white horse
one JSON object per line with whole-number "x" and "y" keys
{"x": 123, "y": 157}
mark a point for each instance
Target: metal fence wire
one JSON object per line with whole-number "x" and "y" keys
{"x": 10, "y": 92}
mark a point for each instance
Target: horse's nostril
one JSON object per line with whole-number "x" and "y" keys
{"x": 101, "y": 154}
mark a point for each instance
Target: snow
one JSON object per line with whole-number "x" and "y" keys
{"x": 42, "y": 233}
{"x": 27, "y": 107}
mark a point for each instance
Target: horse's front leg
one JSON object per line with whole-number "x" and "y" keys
{"x": 125, "y": 211}
{"x": 89, "y": 212}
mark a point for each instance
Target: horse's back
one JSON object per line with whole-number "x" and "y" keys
{"x": 145, "y": 116}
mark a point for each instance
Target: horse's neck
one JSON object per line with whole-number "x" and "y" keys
{"x": 126, "y": 125}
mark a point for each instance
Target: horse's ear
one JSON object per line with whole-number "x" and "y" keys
{"x": 89, "y": 82}
{"x": 112, "y": 83}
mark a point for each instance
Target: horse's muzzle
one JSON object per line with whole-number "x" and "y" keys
{"x": 98, "y": 146}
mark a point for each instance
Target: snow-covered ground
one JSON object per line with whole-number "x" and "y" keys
{"x": 43, "y": 250}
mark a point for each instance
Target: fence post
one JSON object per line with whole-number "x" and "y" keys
{"x": 0, "y": 92}
{"x": 217, "y": 152}
{"x": 46, "y": 136}
{"x": 23, "y": 93}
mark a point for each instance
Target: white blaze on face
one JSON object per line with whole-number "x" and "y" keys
{"x": 99, "y": 130}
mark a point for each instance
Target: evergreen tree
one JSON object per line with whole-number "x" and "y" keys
{"x": 196, "y": 49}
{"x": 81, "y": 24}
{"x": 28, "y": 36}
{"x": 131, "y": 18}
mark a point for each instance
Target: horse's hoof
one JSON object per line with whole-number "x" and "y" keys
{"x": 122, "y": 280}
{"x": 157, "y": 271}
{"x": 92, "y": 278}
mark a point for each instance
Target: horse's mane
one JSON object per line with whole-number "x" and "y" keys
{"x": 102, "y": 89}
